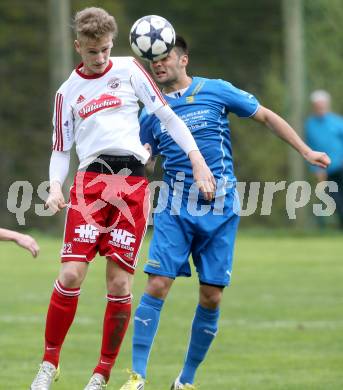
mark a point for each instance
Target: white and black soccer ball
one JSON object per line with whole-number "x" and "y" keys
{"x": 152, "y": 37}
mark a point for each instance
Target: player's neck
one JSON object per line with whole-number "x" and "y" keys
{"x": 181, "y": 83}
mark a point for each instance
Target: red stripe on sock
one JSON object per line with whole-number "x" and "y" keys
{"x": 71, "y": 292}
{"x": 61, "y": 313}
{"x": 119, "y": 299}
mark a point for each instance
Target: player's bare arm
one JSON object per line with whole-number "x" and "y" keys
{"x": 23, "y": 240}
{"x": 283, "y": 130}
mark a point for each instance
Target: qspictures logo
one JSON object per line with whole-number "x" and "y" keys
{"x": 249, "y": 198}
{"x": 101, "y": 103}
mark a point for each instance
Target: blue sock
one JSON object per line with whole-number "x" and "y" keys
{"x": 204, "y": 329}
{"x": 146, "y": 319}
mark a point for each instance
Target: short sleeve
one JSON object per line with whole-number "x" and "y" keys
{"x": 63, "y": 134}
{"x": 146, "y": 133}
{"x": 241, "y": 103}
{"x": 146, "y": 89}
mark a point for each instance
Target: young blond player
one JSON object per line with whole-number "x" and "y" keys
{"x": 97, "y": 108}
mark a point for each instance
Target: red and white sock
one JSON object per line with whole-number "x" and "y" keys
{"x": 61, "y": 313}
{"x": 116, "y": 321}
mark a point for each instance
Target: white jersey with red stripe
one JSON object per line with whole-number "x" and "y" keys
{"x": 100, "y": 112}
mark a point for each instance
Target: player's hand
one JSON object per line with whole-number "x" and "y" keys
{"x": 27, "y": 242}
{"x": 320, "y": 159}
{"x": 148, "y": 148}
{"x": 55, "y": 201}
{"x": 202, "y": 175}
{"x": 150, "y": 164}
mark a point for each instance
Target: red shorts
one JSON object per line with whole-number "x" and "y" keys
{"x": 106, "y": 214}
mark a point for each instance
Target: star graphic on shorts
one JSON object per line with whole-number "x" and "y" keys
{"x": 115, "y": 186}
{"x": 115, "y": 189}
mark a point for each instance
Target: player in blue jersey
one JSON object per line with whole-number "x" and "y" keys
{"x": 190, "y": 225}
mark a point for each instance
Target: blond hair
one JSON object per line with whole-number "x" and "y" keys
{"x": 94, "y": 23}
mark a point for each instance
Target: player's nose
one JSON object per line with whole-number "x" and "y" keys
{"x": 156, "y": 64}
{"x": 100, "y": 59}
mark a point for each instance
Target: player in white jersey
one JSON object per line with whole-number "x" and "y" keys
{"x": 97, "y": 109}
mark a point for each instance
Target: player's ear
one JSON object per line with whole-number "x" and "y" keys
{"x": 184, "y": 59}
{"x": 77, "y": 46}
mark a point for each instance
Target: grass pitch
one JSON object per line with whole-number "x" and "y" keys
{"x": 281, "y": 323}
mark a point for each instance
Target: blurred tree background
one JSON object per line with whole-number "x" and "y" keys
{"x": 240, "y": 41}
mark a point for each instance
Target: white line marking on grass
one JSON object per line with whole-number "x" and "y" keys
{"x": 285, "y": 324}
{"x": 37, "y": 319}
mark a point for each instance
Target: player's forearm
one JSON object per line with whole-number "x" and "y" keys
{"x": 8, "y": 235}
{"x": 23, "y": 240}
{"x": 283, "y": 130}
{"x": 59, "y": 167}
{"x": 177, "y": 129}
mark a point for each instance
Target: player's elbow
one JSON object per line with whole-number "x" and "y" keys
{"x": 264, "y": 115}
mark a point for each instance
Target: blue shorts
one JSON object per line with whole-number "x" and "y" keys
{"x": 209, "y": 238}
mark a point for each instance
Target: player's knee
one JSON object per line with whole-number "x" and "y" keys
{"x": 158, "y": 286}
{"x": 210, "y": 298}
{"x": 118, "y": 285}
{"x": 71, "y": 278}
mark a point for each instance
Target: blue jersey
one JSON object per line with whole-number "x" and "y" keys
{"x": 325, "y": 133}
{"x": 204, "y": 107}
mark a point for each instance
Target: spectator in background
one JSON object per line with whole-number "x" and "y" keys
{"x": 324, "y": 131}
{"x": 23, "y": 240}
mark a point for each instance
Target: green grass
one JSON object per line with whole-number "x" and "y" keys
{"x": 281, "y": 324}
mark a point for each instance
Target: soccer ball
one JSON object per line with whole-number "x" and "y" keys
{"x": 152, "y": 37}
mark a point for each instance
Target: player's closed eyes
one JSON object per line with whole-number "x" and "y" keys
{"x": 95, "y": 52}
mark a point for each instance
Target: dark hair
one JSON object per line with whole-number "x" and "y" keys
{"x": 181, "y": 45}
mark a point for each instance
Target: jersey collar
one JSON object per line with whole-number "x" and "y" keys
{"x": 171, "y": 95}
{"x": 95, "y": 75}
